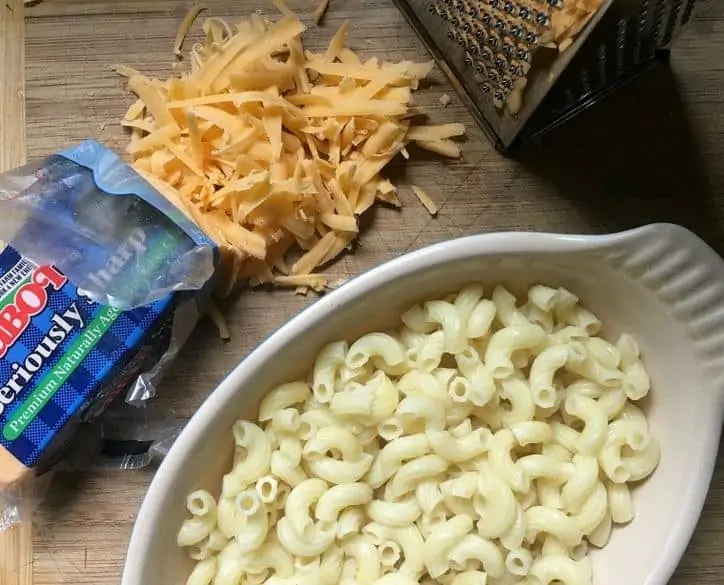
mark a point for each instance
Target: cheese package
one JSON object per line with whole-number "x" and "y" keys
{"x": 100, "y": 282}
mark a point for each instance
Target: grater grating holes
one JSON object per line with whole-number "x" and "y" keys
{"x": 659, "y": 18}
{"x": 585, "y": 82}
{"x": 597, "y": 46}
{"x": 688, "y": 11}
{"x": 643, "y": 18}
{"x": 621, "y": 28}
{"x": 603, "y": 64}
{"x": 498, "y": 37}
{"x": 671, "y": 24}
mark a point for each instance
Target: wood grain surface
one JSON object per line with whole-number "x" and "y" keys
{"x": 12, "y": 84}
{"x": 16, "y": 543}
{"x": 654, "y": 152}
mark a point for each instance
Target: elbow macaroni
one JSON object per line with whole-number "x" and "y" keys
{"x": 395, "y": 514}
{"x": 441, "y": 541}
{"x": 361, "y": 548}
{"x": 411, "y": 543}
{"x": 543, "y": 297}
{"x": 380, "y": 345}
{"x": 314, "y": 543}
{"x": 502, "y": 344}
{"x": 329, "y": 361}
{"x": 466, "y": 300}
{"x": 514, "y": 536}
{"x": 331, "y": 439}
{"x": 299, "y": 502}
{"x": 350, "y": 521}
{"x": 336, "y": 471}
{"x": 203, "y": 507}
{"x": 253, "y": 533}
{"x": 494, "y": 503}
{"x": 390, "y": 553}
{"x": 419, "y": 412}
{"x": 253, "y": 452}
{"x": 412, "y": 473}
{"x": 459, "y": 449}
{"x": 505, "y": 309}
{"x": 483, "y": 440}
{"x": 500, "y": 457}
{"x": 481, "y": 319}
{"x": 522, "y": 407}
{"x": 559, "y": 569}
{"x": 595, "y": 423}
{"x": 543, "y": 370}
{"x": 619, "y": 502}
{"x": 482, "y": 550}
{"x": 428, "y": 355}
{"x": 449, "y": 318}
{"x": 553, "y": 522}
{"x": 593, "y": 510}
{"x": 341, "y": 496}
{"x": 282, "y": 397}
{"x": 429, "y": 495}
{"x": 582, "y": 483}
{"x": 537, "y": 316}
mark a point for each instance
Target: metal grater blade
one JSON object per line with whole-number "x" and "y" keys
{"x": 497, "y": 55}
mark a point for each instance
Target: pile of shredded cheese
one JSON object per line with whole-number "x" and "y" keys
{"x": 275, "y": 151}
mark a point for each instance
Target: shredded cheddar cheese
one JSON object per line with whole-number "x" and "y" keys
{"x": 217, "y": 318}
{"x": 275, "y": 151}
{"x": 320, "y": 11}
{"x": 186, "y": 24}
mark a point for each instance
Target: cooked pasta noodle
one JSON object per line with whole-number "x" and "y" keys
{"x": 486, "y": 441}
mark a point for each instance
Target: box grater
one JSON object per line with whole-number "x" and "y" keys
{"x": 501, "y": 56}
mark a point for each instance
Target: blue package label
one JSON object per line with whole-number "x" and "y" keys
{"x": 58, "y": 349}
{"x": 88, "y": 292}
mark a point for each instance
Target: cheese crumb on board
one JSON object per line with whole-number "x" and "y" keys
{"x": 274, "y": 151}
{"x": 217, "y": 318}
{"x": 425, "y": 199}
{"x": 445, "y": 100}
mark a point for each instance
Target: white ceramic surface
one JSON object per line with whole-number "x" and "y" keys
{"x": 659, "y": 282}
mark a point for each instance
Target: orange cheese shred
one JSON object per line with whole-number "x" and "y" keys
{"x": 272, "y": 150}
{"x": 185, "y": 26}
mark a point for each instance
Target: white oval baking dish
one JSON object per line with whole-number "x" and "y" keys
{"x": 659, "y": 282}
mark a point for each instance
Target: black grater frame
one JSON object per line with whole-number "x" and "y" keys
{"x": 619, "y": 23}
{"x": 535, "y": 133}
{"x": 632, "y": 19}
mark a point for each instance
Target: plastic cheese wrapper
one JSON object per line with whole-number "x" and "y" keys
{"x": 101, "y": 282}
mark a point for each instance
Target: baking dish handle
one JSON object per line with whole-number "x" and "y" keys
{"x": 687, "y": 275}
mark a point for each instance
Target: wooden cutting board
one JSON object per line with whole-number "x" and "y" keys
{"x": 595, "y": 174}
{"x": 16, "y": 544}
